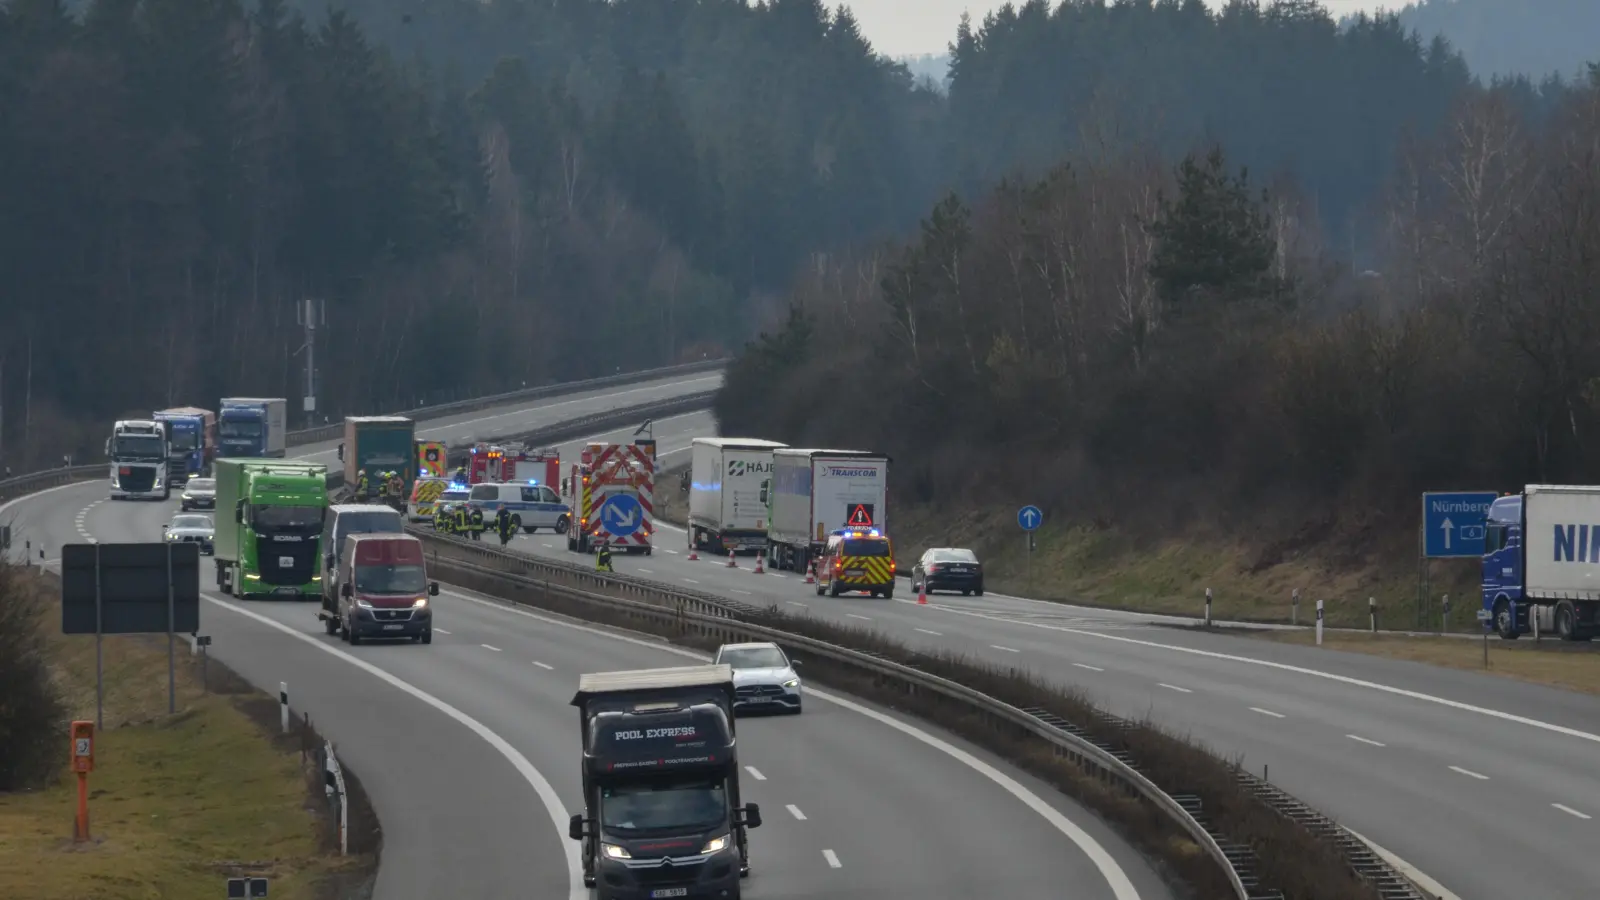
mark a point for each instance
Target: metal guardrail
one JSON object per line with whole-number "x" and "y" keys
{"x": 11, "y": 488}
{"x": 714, "y": 616}
{"x": 333, "y": 787}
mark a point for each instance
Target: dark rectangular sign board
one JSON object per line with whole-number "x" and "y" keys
{"x": 133, "y": 587}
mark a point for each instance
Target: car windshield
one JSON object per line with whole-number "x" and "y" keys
{"x": 191, "y": 522}
{"x": 202, "y": 485}
{"x": 236, "y": 429}
{"x": 663, "y": 806}
{"x": 953, "y": 556}
{"x": 138, "y": 446}
{"x": 753, "y": 658}
{"x": 866, "y": 548}
{"x": 388, "y": 579}
{"x": 449, "y": 496}
{"x": 375, "y": 522}
{"x": 288, "y": 519}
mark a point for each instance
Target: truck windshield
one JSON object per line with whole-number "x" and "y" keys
{"x": 291, "y": 519}
{"x": 184, "y": 438}
{"x": 138, "y": 446}
{"x": 236, "y": 428}
{"x": 386, "y": 579}
{"x": 663, "y": 806}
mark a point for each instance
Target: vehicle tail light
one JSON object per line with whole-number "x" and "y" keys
{"x": 838, "y": 564}
{"x": 933, "y": 567}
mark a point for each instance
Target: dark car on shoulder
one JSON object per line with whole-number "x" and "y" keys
{"x": 948, "y": 569}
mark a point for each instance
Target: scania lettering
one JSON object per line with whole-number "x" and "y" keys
{"x": 140, "y": 453}
{"x": 1541, "y": 562}
{"x": 252, "y": 427}
{"x": 729, "y": 480}
{"x": 815, "y": 493}
{"x": 662, "y": 813}
{"x": 269, "y": 524}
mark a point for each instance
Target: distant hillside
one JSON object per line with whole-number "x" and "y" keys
{"x": 934, "y": 67}
{"x": 1529, "y": 37}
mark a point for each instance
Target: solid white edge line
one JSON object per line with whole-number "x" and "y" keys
{"x": 1416, "y": 876}
{"x": 1570, "y": 811}
{"x": 1121, "y": 886}
{"x": 541, "y": 786}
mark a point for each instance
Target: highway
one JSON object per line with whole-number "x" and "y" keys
{"x": 469, "y": 748}
{"x": 1476, "y": 782}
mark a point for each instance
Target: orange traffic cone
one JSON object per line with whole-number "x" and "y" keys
{"x": 922, "y": 595}
{"x": 693, "y": 553}
{"x": 732, "y": 564}
{"x": 811, "y": 573}
{"x": 759, "y": 569}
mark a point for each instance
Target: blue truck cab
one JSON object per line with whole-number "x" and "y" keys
{"x": 1541, "y": 562}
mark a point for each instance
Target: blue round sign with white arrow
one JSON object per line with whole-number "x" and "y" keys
{"x": 1030, "y": 517}
{"x": 621, "y": 514}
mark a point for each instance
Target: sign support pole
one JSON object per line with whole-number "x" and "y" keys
{"x": 172, "y": 677}
{"x": 99, "y": 636}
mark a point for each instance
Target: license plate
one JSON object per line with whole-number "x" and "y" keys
{"x": 760, "y": 699}
{"x": 286, "y": 590}
{"x": 855, "y": 573}
{"x": 286, "y": 562}
{"x": 393, "y": 627}
{"x": 670, "y": 892}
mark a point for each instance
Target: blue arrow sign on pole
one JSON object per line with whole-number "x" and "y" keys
{"x": 621, "y": 514}
{"x": 1029, "y": 517}
{"x": 1452, "y": 523}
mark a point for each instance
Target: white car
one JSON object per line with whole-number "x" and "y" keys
{"x": 763, "y": 677}
{"x": 532, "y": 506}
{"x": 193, "y": 528}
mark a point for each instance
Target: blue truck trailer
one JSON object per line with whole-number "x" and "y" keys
{"x": 192, "y": 441}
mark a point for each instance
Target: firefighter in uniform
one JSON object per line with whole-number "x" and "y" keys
{"x": 502, "y": 524}
{"x": 461, "y": 475}
{"x": 442, "y": 517}
{"x": 477, "y": 524}
{"x": 602, "y": 557}
{"x": 397, "y": 490}
{"x": 462, "y": 522}
{"x": 361, "y": 487}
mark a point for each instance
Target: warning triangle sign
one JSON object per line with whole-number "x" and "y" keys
{"x": 860, "y": 515}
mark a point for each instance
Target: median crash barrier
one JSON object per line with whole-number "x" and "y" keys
{"x": 11, "y": 488}
{"x": 1231, "y": 819}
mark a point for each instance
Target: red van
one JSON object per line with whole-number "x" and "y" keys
{"x": 384, "y": 589}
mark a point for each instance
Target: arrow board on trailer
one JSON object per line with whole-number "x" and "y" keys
{"x": 621, "y": 514}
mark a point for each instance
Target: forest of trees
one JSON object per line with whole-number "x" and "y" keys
{"x": 486, "y": 194}
{"x": 1499, "y": 39}
{"x": 1122, "y": 328}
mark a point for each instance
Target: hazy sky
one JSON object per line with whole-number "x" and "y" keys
{"x": 902, "y": 27}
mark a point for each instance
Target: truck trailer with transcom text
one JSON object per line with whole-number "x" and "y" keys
{"x": 816, "y": 492}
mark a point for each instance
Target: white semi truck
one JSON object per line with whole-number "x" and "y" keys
{"x": 139, "y": 450}
{"x": 729, "y": 480}
{"x": 1541, "y": 562}
{"x": 815, "y": 492}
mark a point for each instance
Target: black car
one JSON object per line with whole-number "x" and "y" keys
{"x": 948, "y": 569}
{"x": 200, "y": 493}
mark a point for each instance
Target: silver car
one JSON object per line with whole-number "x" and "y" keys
{"x": 200, "y": 493}
{"x": 763, "y": 677}
{"x": 193, "y": 528}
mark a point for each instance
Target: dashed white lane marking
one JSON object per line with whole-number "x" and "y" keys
{"x": 934, "y": 633}
{"x": 832, "y": 858}
{"x": 1571, "y": 812}
{"x": 665, "y": 550}
{"x": 1469, "y": 773}
{"x": 795, "y": 811}
{"x": 1268, "y": 712}
{"x": 1089, "y": 667}
{"x": 862, "y": 618}
{"x": 746, "y": 593}
{"x": 1357, "y": 737}
{"x": 648, "y": 571}
{"x": 755, "y": 773}
{"x": 1173, "y": 687}
{"x": 795, "y": 603}
{"x": 441, "y": 631}
{"x": 487, "y": 647}
{"x": 546, "y": 666}
{"x": 1006, "y": 649}
{"x": 690, "y": 581}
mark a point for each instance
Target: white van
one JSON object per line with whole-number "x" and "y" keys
{"x": 532, "y": 506}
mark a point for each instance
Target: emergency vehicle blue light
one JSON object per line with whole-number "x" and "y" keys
{"x": 457, "y": 487}
{"x": 533, "y": 481}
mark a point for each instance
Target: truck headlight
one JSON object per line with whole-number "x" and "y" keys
{"x": 715, "y": 845}
{"x": 615, "y": 852}
{"x": 421, "y": 603}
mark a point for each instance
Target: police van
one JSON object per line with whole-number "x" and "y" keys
{"x": 532, "y": 506}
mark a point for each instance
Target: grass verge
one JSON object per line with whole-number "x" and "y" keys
{"x": 1554, "y": 663}
{"x": 179, "y": 803}
{"x": 1291, "y": 858}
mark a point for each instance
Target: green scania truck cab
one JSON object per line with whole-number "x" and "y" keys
{"x": 269, "y": 528}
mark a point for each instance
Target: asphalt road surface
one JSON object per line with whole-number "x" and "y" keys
{"x": 470, "y": 749}
{"x": 1482, "y": 785}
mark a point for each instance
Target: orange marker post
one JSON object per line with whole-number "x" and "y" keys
{"x": 82, "y": 764}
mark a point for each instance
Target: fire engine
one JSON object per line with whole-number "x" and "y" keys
{"x": 612, "y": 492}
{"x": 513, "y": 464}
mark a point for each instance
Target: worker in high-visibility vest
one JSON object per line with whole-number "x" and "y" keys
{"x": 477, "y": 524}
{"x": 463, "y": 524}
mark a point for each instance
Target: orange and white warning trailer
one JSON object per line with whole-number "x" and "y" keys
{"x": 612, "y": 491}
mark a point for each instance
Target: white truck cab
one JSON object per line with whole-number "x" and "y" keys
{"x": 139, "y": 450}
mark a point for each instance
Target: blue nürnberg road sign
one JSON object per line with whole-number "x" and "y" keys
{"x": 621, "y": 515}
{"x": 1452, "y": 523}
{"x": 1029, "y": 517}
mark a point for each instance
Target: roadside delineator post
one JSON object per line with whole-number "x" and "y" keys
{"x": 1294, "y": 607}
{"x": 1208, "y": 607}
{"x": 1372, "y": 612}
{"x": 1319, "y": 621}
{"x": 732, "y": 563}
{"x": 283, "y": 705}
